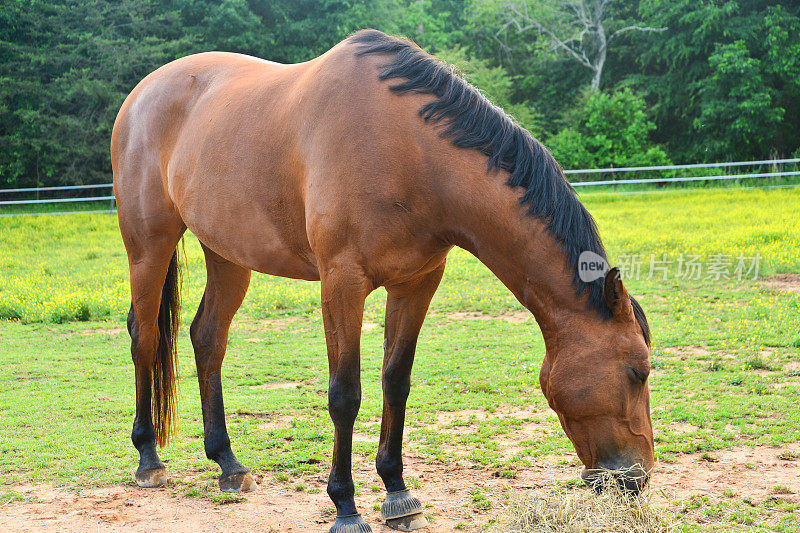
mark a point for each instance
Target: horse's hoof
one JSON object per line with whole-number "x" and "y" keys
{"x": 150, "y": 479}
{"x": 242, "y": 482}
{"x": 350, "y": 524}
{"x": 399, "y": 504}
{"x": 408, "y": 523}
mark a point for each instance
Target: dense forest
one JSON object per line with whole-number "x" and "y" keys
{"x": 600, "y": 82}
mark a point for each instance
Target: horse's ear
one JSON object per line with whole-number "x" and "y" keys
{"x": 614, "y": 292}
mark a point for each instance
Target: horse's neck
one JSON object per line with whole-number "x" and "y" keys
{"x": 517, "y": 248}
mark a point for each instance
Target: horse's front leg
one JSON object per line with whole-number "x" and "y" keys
{"x": 343, "y": 295}
{"x": 226, "y": 287}
{"x": 406, "y": 307}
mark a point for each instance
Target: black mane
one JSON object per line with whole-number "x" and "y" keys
{"x": 470, "y": 120}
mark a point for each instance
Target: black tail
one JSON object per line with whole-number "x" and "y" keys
{"x": 165, "y": 364}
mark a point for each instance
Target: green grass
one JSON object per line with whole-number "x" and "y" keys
{"x": 721, "y": 353}
{"x": 73, "y": 267}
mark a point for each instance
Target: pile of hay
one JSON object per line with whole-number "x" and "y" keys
{"x": 583, "y": 511}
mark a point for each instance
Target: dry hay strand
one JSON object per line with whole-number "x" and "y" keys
{"x": 584, "y": 511}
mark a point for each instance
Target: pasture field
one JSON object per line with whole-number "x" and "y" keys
{"x": 724, "y": 388}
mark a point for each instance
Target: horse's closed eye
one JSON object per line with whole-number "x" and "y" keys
{"x": 638, "y": 375}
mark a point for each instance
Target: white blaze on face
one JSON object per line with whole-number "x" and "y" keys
{"x": 591, "y": 266}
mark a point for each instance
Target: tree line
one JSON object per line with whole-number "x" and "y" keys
{"x": 600, "y": 82}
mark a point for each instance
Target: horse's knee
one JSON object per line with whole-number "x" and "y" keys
{"x": 396, "y": 377}
{"x": 340, "y": 489}
{"x": 396, "y": 389}
{"x": 344, "y": 399}
{"x": 388, "y": 467}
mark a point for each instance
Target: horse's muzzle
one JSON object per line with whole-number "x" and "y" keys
{"x": 630, "y": 481}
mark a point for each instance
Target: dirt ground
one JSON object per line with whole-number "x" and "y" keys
{"x": 783, "y": 282}
{"x": 753, "y": 472}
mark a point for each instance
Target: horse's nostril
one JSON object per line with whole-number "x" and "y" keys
{"x": 629, "y": 481}
{"x": 590, "y": 477}
{"x": 632, "y": 485}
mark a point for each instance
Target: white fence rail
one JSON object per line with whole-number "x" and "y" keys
{"x": 78, "y": 199}
{"x": 575, "y": 182}
{"x": 689, "y": 178}
{"x": 682, "y": 179}
{"x": 693, "y": 165}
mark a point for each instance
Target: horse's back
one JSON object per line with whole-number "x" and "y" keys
{"x": 276, "y": 166}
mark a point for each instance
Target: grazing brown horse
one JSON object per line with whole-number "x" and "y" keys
{"x": 361, "y": 168}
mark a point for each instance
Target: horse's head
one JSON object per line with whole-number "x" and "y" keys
{"x": 596, "y": 381}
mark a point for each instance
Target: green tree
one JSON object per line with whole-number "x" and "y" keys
{"x": 736, "y": 105}
{"x": 690, "y": 76}
{"x": 722, "y": 83}
{"x": 580, "y": 29}
{"x": 604, "y": 130}
{"x": 65, "y": 68}
{"x": 433, "y": 24}
{"x": 538, "y": 42}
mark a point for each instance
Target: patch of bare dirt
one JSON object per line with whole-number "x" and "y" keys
{"x": 448, "y": 418}
{"x": 758, "y": 473}
{"x": 104, "y": 331}
{"x": 681, "y": 427}
{"x": 278, "y": 324}
{"x": 277, "y": 422}
{"x": 753, "y": 472}
{"x": 514, "y": 318}
{"x": 684, "y": 352}
{"x": 532, "y": 424}
{"x": 365, "y": 437}
{"x": 270, "y": 420}
{"x": 273, "y": 506}
{"x": 284, "y": 385}
{"x": 782, "y": 282}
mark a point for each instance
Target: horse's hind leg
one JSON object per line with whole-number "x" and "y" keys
{"x": 151, "y": 265}
{"x": 406, "y": 307}
{"x": 225, "y": 289}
